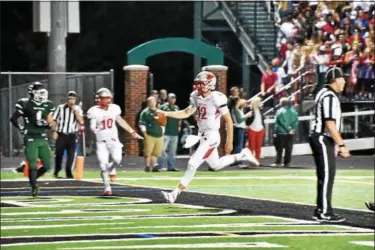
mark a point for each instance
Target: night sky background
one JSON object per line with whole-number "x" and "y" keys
{"x": 108, "y": 31}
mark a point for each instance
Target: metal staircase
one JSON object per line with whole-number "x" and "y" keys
{"x": 256, "y": 20}
{"x": 235, "y": 24}
{"x": 256, "y": 32}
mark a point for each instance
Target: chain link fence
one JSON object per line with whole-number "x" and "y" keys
{"x": 13, "y": 86}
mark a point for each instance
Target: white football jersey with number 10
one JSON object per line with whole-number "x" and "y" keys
{"x": 105, "y": 121}
{"x": 209, "y": 109}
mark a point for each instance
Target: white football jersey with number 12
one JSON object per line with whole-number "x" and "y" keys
{"x": 105, "y": 121}
{"x": 210, "y": 109}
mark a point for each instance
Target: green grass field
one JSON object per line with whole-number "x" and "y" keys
{"x": 93, "y": 222}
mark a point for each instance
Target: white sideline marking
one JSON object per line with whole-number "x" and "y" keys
{"x": 174, "y": 178}
{"x": 109, "y": 204}
{"x": 58, "y": 199}
{"x": 270, "y": 224}
{"x": 357, "y": 182}
{"x": 203, "y": 245}
{"x": 219, "y": 233}
{"x": 161, "y": 226}
{"x": 68, "y": 211}
{"x": 62, "y": 225}
{"x": 135, "y": 218}
{"x": 363, "y": 243}
{"x": 182, "y": 237}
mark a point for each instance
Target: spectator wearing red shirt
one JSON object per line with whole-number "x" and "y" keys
{"x": 330, "y": 26}
{"x": 268, "y": 85}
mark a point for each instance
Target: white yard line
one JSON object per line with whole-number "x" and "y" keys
{"x": 174, "y": 178}
{"x": 183, "y": 237}
{"x": 139, "y": 218}
{"x": 266, "y": 224}
{"x": 62, "y": 225}
{"x": 183, "y": 246}
{"x": 146, "y": 216}
{"x": 188, "y": 233}
{"x": 357, "y": 182}
{"x": 363, "y": 243}
{"x": 71, "y": 211}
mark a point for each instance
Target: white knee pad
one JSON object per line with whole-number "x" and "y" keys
{"x": 189, "y": 175}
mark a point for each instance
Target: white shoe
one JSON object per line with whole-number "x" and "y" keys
{"x": 169, "y": 197}
{"x": 248, "y": 156}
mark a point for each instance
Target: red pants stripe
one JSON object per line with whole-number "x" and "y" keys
{"x": 255, "y": 139}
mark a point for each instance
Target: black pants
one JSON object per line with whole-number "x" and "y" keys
{"x": 65, "y": 142}
{"x": 323, "y": 149}
{"x": 282, "y": 142}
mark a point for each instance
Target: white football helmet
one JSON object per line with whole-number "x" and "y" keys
{"x": 204, "y": 82}
{"x": 105, "y": 96}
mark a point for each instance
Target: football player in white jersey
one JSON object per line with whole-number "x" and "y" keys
{"x": 211, "y": 105}
{"x": 103, "y": 118}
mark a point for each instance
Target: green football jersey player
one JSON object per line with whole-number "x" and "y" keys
{"x": 37, "y": 116}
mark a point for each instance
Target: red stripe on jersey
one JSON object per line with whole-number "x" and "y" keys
{"x": 208, "y": 153}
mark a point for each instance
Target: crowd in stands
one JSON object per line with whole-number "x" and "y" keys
{"x": 317, "y": 35}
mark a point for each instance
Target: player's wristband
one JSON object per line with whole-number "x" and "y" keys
{"x": 342, "y": 146}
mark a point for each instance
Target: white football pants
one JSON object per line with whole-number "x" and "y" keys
{"x": 207, "y": 152}
{"x": 107, "y": 148}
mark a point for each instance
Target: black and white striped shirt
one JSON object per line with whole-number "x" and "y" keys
{"x": 327, "y": 108}
{"x": 66, "y": 121}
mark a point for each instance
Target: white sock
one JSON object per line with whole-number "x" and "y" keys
{"x": 238, "y": 156}
{"x": 105, "y": 178}
{"x": 189, "y": 175}
{"x": 176, "y": 192}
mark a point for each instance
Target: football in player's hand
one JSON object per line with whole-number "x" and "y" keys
{"x": 160, "y": 118}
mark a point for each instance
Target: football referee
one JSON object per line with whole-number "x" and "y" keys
{"x": 326, "y": 142}
{"x": 67, "y": 116}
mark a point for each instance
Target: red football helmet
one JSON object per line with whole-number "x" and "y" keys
{"x": 105, "y": 97}
{"x": 204, "y": 82}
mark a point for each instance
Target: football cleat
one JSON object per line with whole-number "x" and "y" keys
{"x": 112, "y": 177}
{"x": 107, "y": 193}
{"x": 329, "y": 218}
{"x": 248, "y": 156}
{"x": 370, "y": 205}
{"x": 35, "y": 191}
{"x": 169, "y": 197}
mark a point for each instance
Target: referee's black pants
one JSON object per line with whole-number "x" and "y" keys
{"x": 65, "y": 142}
{"x": 323, "y": 148}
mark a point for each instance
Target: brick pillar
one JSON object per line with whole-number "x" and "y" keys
{"x": 221, "y": 76}
{"x": 135, "y": 93}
